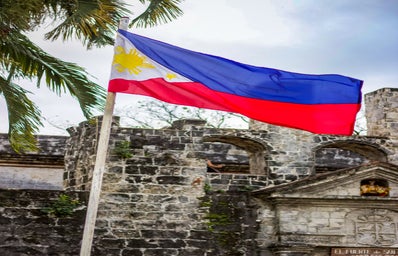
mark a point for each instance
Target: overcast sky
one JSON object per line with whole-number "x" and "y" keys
{"x": 356, "y": 38}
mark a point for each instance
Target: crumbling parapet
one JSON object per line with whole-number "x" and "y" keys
{"x": 382, "y": 112}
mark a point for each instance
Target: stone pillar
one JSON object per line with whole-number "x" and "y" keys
{"x": 290, "y": 151}
{"x": 382, "y": 112}
{"x": 80, "y": 152}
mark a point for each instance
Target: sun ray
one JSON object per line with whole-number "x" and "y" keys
{"x": 132, "y": 61}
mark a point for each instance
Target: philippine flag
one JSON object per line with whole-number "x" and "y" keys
{"x": 324, "y": 104}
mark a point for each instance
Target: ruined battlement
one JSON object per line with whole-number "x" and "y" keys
{"x": 382, "y": 112}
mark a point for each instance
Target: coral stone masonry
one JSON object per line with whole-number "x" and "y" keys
{"x": 382, "y": 112}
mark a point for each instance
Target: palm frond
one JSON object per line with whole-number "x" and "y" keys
{"x": 158, "y": 12}
{"x": 91, "y": 21}
{"x": 30, "y": 61}
{"x": 22, "y": 15}
{"x": 23, "y": 117}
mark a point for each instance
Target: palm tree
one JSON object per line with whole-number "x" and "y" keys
{"x": 93, "y": 22}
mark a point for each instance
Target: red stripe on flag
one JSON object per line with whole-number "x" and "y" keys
{"x": 336, "y": 119}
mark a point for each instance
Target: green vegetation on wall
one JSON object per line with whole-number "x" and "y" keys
{"x": 63, "y": 207}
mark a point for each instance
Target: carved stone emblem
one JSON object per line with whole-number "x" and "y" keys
{"x": 373, "y": 227}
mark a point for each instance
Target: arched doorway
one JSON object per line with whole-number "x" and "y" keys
{"x": 344, "y": 154}
{"x": 237, "y": 154}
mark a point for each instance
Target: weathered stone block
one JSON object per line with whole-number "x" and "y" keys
{"x": 110, "y": 243}
{"x": 161, "y": 252}
{"x": 175, "y": 180}
{"x": 142, "y": 243}
{"x": 132, "y": 252}
{"x": 164, "y": 234}
{"x": 149, "y": 170}
{"x": 199, "y": 235}
{"x": 171, "y": 242}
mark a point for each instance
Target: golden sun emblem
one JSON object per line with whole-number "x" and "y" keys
{"x": 170, "y": 76}
{"x": 131, "y": 61}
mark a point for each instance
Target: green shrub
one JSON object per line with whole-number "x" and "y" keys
{"x": 63, "y": 207}
{"x": 122, "y": 149}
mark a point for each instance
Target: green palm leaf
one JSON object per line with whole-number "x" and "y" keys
{"x": 158, "y": 12}
{"x": 29, "y": 61}
{"x": 91, "y": 21}
{"x": 23, "y": 117}
{"x": 21, "y": 58}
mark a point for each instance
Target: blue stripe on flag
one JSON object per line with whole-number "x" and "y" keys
{"x": 244, "y": 80}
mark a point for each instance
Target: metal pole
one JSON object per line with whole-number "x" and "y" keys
{"x": 96, "y": 183}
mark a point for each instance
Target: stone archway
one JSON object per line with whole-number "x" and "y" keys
{"x": 348, "y": 153}
{"x": 255, "y": 151}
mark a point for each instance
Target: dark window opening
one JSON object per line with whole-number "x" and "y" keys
{"x": 230, "y": 154}
{"x": 332, "y": 159}
{"x": 346, "y": 154}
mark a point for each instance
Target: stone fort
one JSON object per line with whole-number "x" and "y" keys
{"x": 280, "y": 191}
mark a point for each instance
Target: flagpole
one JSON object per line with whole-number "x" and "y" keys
{"x": 99, "y": 167}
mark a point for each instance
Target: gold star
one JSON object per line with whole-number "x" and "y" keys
{"x": 170, "y": 76}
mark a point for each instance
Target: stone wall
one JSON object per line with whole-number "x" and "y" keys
{"x": 278, "y": 154}
{"x": 382, "y": 112}
{"x": 176, "y": 223}
{"x": 24, "y": 177}
{"x": 313, "y": 215}
{"x": 157, "y": 197}
{"x": 167, "y": 149}
{"x": 33, "y": 170}
{"x": 318, "y": 225}
{"x": 27, "y": 229}
{"x": 80, "y": 154}
{"x": 50, "y": 147}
